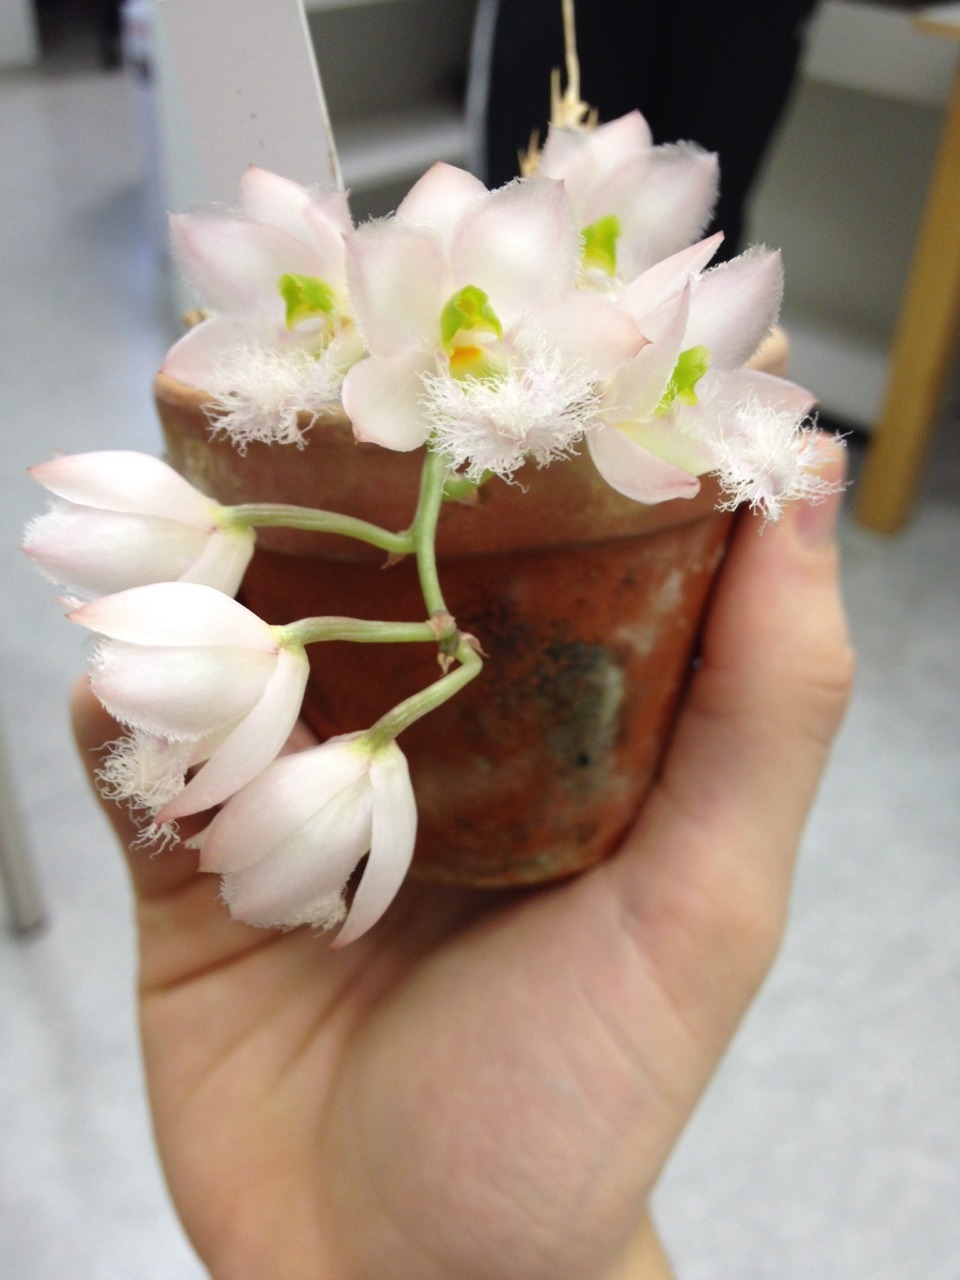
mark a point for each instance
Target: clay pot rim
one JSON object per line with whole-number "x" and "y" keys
{"x": 599, "y": 513}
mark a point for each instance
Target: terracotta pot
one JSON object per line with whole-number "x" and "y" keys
{"x": 587, "y": 604}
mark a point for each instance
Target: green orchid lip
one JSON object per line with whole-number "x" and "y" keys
{"x": 691, "y": 365}
{"x": 465, "y": 321}
{"x": 305, "y": 296}
{"x": 600, "y": 244}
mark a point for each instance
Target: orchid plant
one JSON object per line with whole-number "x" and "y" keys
{"x": 574, "y": 307}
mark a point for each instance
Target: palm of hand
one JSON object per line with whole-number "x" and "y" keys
{"x": 450, "y": 1094}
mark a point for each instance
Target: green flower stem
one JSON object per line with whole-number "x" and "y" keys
{"x": 406, "y": 713}
{"x": 285, "y": 516}
{"x": 360, "y": 631}
{"x": 424, "y": 531}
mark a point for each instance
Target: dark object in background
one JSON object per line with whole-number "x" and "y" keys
{"x": 703, "y": 71}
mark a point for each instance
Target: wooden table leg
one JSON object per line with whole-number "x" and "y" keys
{"x": 923, "y": 346}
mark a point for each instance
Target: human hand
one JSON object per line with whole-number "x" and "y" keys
{"x": 487, "y": 1085}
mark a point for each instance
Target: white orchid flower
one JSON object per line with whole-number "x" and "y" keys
{"x": 684, "y": 406}
{"x": 478, "y": 337}
{"x": 289, "y": 841}
{"x": 281, "y": 335}
{"x": 125, "y": 519}
{"x": 635, "y": 203}
{"x": 199, "y": 680}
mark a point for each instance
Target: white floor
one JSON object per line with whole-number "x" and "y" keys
{"x": 829, "y": 1145}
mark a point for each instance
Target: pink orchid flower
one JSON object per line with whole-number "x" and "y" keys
{"x": 289, "y": 841}
{"x": 684, "y": 405}
{"x": 634, "y": 203}
{"x": 478, "y": 337}
{"x": 199, "y": 680}
{"x": 282, "y": 334}
{"x": 126, "y": 519}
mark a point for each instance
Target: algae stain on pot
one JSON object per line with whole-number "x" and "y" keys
{"x": 562, "y": 694}
{"x": 580, "y": 693}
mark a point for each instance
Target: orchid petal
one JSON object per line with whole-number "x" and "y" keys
{"x": 439, "y": 199}
{"x": 223, "y": 561}
{"x": 175, "y": 613}
{"x": 678, "y": 195}
{"x": 765, "y": 389}
{"x": 234, "y": 265}
{"x": 252, "y": 745}
{"x": 393, "y": 838}
{"x": 305, "y": 883}
{"x": 590, "y": 329}
{"x": 668, "y": 278}
{"x": 735, "y": 305}
{"x": 303, "y": 879}
{"x": 622, "y": 192}
{"x": 179, "y": 692}
{"x": 520, "y": 245}
{"x": 640, "y": 384}
{"x": 122, "y": 480}
{"x": 268, "y": 811}
{"x": 196, "y": 357}
{"x": 398, "y": 283}
{"x": 579, "y": 156}
{"x": 635, "y": 472}
{"x": 320, "y": 220}
{"x": 672, "y": 439}
{"x": 102, "y": 552}
{"x": 382, "y": 399}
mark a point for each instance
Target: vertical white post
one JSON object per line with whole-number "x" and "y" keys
{"x": 16, "y": 868}
{"x": 247, "y": 75}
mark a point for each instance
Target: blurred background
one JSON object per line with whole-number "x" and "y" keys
{"x": 829, "y": 1144}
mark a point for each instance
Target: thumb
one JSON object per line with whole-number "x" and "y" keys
{"x": 708, "y": 868}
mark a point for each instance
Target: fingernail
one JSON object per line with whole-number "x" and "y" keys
{"x": 816, "y": 520}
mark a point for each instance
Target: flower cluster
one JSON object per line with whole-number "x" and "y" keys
{"x": 505, "y": 326}
{"x": 573, "y": 307}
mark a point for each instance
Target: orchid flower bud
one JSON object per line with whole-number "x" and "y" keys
{"x": 125, "y": 519}
{"x": 199, "y": 680}
{"x": 288, "y": 842}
